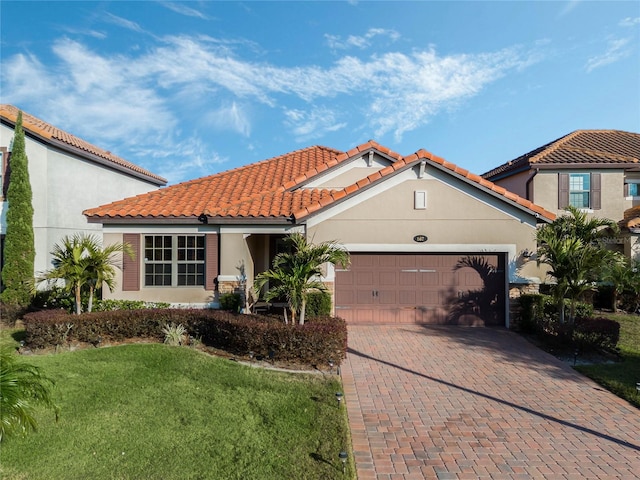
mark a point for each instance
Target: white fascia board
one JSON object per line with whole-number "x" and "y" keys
{"x": 361, "y": 162}
{"x": 159, "y": 229}
{"x": 359, "y": 197}
{"x": 259, "y": 229}
{"x": 477, "y": 191}
{"x": 432, "y": 174}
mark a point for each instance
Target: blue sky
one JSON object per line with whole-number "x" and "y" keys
{"x": 187, "y": 89}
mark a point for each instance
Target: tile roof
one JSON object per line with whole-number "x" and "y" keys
{"x": 595, "y": 147}
{"x": 631, "y": 218}
{"x": 271, "y": 189}
{"x": 78, "y": 146}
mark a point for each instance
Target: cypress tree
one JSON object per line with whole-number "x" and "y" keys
{"x": 19, "y": 248}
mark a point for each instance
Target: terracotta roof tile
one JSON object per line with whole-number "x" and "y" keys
{"x": 271, "y": 188}
{"x": 597, "y": 147}
{"x": 51, "y": 133}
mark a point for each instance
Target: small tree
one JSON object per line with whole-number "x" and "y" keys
{"x": 624, "y": 276}
{"x": 571, "y": 246}
{"x": 22, "y": 387}
{"x": 19, "y": 248}
{"x": 81, "y": 262}
{"x": 294, "y": 275}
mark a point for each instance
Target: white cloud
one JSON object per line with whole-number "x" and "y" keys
{"x": 123, "y": 22}
{"x": 306, "y": 125}
{"x": 188, "y": 159}
{"x": 616, "y": 50}
{"x": 335, "y": 42}
{"x": 132, "y": 101}
{"x": 182, "y": 9}
{"x": 630, "y": 22}
{"x": 231, "y": 117}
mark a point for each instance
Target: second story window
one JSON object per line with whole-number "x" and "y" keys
{"x": 579, "y": 190}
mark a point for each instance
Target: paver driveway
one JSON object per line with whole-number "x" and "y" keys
{"x": 460, "y": 402}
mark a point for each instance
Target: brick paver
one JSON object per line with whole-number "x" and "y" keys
{"x": 460, "y": 402}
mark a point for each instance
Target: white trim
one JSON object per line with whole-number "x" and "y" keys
{"x": 160, "y": 229}
{"x": 257, "y": 229}
{"x": 431, "y": 174}
{"x": 229, "y": 278}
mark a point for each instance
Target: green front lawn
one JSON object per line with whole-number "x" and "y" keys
{"x": 621, "y": 377}
{"x": 158, "y": 412}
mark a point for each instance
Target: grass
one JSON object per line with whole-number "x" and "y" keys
{"x": 159, "y": 412}
{"x": 621, "y": 377}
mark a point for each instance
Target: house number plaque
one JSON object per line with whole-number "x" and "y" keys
{"x": 420, "y": 238}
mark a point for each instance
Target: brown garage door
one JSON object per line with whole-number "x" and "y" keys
{"x": 464, "y": 289}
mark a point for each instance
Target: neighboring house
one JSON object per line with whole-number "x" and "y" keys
{"x": 429, "y": 241}
{"x": 67, "y": 176}
{"x": 597, "y": 171}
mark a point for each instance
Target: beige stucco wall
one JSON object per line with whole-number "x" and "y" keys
{"x": 517, "y": 183}
{"x": 184, "y": 296}
{"x": 64, "y": 185}
{"x": 613, "y": 202}
{"x": 456, "y": 219}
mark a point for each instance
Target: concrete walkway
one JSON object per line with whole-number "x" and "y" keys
{"x": 460, "y": 402}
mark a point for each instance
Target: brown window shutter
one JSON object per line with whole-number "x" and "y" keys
{"x": 563, "y": 190}
{"x": 626, "y": 190}
{"x": 211, "y": 261}
{"x": 595, "y": 192}
{"x": 131, "y": 266}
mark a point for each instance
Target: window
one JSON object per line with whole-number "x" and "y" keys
{"x": 632, "y": 190}
{"x": 174, "y": 260}
{"x": 579, "y": 190}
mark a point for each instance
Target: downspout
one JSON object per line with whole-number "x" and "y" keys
{"x": 529, "y": 180}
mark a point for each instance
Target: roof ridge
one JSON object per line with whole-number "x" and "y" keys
{"x": 603, "y": 153}
{"x": 50, "y": 132}
{"x": 413, "y": 159}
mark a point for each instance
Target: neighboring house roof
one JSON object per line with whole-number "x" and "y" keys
{"x": 70, "y": 143}
{"x": 631, "y": 218}
{"x": 586, "y": 148}
{"x": 273, "y": 189}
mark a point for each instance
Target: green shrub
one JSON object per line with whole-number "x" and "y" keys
{"x": 319, "y": 339}
{"x": 532, "y": 311}
{"x": 110, "y": 305}
{"x": 596, "y": 333}
{"x": 318, "y": 304}
{"x": 231, "y": 302}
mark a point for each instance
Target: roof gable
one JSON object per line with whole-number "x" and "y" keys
{"x": 75, "y": 145}
{"x": 276, "y": 189}
{"x": 597, "y": 148}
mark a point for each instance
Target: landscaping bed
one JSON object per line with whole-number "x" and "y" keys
{"x": 316, "y": 343}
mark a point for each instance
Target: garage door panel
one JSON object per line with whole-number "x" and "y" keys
{"x": 429, "y": 278}
{"x": 388, "y": 278}
{"x": 365, "y": 278}
{"x": 387, "y": 297}
{"x": 426, "y": 288}
{"x": 408, "y": 279}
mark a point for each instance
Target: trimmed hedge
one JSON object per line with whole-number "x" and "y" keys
{"x": 598, "y": 332}
{"x": 314, "y": 343}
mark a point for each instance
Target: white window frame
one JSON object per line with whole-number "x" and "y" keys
{"x": 174, "y": 262}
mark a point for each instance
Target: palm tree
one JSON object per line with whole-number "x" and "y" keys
{"x": 620, "y": 273}
{"x": 571, "y": 246}
{"x": 79, "y": 260}
{"x": 100, "y": 265}
{"x": 297, "y": 273}
{"x": 22, "y": 387}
